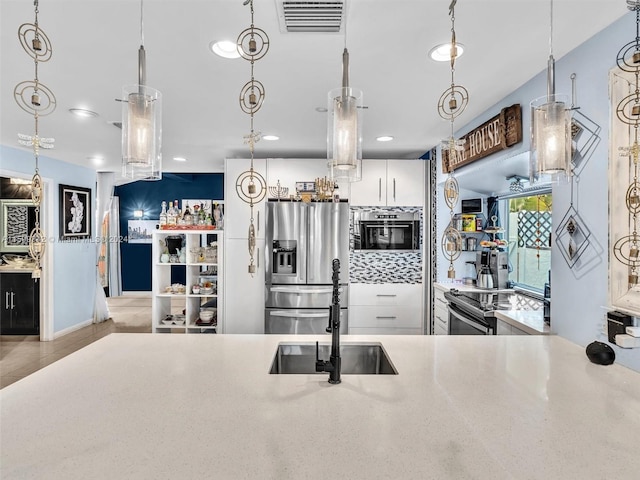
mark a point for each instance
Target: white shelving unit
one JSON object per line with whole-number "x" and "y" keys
{"x": 164, "y": 304}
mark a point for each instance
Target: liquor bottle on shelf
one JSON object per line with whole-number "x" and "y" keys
{"x": 163, "y": 214}
{"x": 172, "y": 218}
{"x": 186, "y": 216}
{"x": 217, "y": 215}
{"x": 201, "y": 215}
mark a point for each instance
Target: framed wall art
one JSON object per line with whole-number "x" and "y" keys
{"x": 75, "y": 212}
{"x": 17, "y": 218}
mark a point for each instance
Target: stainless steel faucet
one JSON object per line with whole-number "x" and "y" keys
{"x": 334, "y": 363}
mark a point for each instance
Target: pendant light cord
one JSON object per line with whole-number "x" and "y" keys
{"x": 551, "y": 29}
{"x": 141, "y": 24}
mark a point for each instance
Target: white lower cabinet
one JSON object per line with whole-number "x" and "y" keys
{"x": 176, "y": 309}
{"x": 504, "y": 328}
{"x": 385, "y": 309}
{"x": 244, "y": 297}
{"x": 440, "y": 313}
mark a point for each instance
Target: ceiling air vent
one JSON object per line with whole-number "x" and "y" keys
{"x": 315, "y": 17}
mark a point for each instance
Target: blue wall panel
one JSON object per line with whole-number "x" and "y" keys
{"x": 148, "y": 197}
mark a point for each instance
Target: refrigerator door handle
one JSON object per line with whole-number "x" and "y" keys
{"x": 300, "y": 292}
{"x": 284, "y": 313}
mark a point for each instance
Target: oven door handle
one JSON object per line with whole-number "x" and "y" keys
{"x": 389, "y": 225}
{"x": 472, "y": 323}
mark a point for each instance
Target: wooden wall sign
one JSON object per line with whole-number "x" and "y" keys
{"x": 502, "y": 131}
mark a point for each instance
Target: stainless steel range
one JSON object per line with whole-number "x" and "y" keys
{"x": 473, "y": 313}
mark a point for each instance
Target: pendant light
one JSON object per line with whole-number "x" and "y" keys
{"x": 344, "y": 127}
{"x": 141, "y": 124}
{"x": 550, "y": 127}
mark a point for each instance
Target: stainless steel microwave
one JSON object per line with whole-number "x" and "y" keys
{"x": 386, "y": 230}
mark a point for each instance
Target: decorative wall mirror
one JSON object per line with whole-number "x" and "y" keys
{"x": 17, "y": 219}
{"x": 624, "y": 194}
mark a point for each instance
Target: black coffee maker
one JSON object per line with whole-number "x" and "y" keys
{"x": 547, "y": 300}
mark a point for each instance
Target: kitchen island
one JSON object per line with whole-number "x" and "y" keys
{"x": 205, "y": 406}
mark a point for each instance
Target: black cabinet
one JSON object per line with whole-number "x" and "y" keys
{"x": 20, "y": 314}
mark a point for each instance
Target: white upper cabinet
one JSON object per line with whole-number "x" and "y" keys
{"x": 237, "y": 211}
{"x": 389, "y": 183}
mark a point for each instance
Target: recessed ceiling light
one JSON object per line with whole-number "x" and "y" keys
{"x": 321, "y": 109}
{"x": 442, "y": 53}
{"x": 225, "y": 49}
{"x": 96, "y": 160}
{"x": 82, "y": 112}
{"x": 180, "y": 159}
{"x": 384, "y": 138}
{"x": 271, "y": 137}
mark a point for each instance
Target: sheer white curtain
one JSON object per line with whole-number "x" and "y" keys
{"x": 103, "y": 200}
{"x": 115, "y": 273}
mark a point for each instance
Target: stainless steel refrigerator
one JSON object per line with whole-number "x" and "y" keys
{"x": 302, "y": 239}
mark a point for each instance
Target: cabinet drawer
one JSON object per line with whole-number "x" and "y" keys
{"x": 439, "y": 300}
{"x": 396, "y": 317}
{"x": 441, "y": 319}
{"x": 384, "y": 331}
{"x": 386, "y": 294}
{"x": 439, "y": 330}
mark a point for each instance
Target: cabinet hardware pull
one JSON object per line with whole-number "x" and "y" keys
{"x": 383, "y": 317}
{"x": 380, "y": 189}
{"x": 258, "y": 258}
{"x": 258, "y": 221}
{"x": 386, "y": 295}
{"x": 12, "y": 304}
{"x": 6, "y": 300}
{"x": 394, "y": 189}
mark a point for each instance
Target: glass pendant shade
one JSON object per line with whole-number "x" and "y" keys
{"x": 141, "y": 133}
{"x": 344, "y": 142}
{"x": 550, "y": 137}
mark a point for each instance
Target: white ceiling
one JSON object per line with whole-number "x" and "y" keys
{"x": 95, "y": 45}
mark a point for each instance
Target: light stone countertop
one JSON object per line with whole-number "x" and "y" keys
{"x": 529, "y": 321}
{"x": 204, "y": 406}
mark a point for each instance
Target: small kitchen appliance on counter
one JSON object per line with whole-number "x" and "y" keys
{"x": 496, "y": 263}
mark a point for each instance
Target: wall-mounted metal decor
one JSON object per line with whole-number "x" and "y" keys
{"x": 251, "y": 187}
{"x": 451, "y": 104}
{"x": 38, "y": 100}
{"x": 624, "y": 182}
{"x": 573, "y": 236}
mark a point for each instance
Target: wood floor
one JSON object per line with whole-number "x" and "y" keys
{"x": 21, "y": 355}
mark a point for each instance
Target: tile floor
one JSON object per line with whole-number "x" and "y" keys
{"x": 22, "y": 355}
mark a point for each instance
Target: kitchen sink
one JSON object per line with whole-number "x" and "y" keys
{"x": 357, "y": 359}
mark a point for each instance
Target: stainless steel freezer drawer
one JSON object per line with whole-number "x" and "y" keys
{"x": 301, "y": 321}
{"x": 303, "y": 296}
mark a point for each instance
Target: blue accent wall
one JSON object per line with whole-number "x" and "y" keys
{"x": 148, "y": 197}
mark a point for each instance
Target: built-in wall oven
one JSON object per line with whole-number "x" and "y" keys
{"x": 385, "y": 230}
